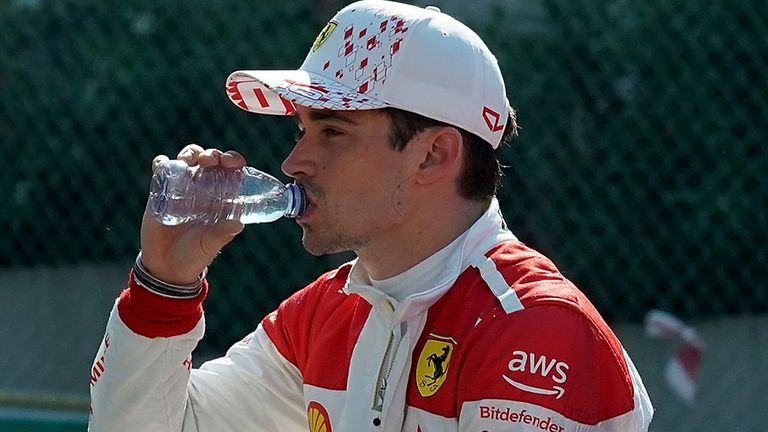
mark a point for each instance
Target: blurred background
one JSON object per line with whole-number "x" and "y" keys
{"x": 640, "y": 169}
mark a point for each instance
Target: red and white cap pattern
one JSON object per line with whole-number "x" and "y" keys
{"x": 375, "y": 54}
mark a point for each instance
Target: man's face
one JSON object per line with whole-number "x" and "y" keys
{"x": 359, "y": 188}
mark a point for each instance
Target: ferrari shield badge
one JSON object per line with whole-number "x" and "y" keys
{"x": 324, "y": 35}
{"x": 433, "y": 364}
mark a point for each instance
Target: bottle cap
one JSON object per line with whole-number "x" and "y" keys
{"x": 298, "y": 200}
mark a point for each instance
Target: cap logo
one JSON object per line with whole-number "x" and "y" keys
{"x": 324, "y": 35}
{"x": 309, "y": 91}
{"x": 492, "y": 119}
{"x": 250, "y": 94}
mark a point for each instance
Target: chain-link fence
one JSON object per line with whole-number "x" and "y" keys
{"x": 640, "y": 168}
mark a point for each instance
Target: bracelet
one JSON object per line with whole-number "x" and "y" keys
{"x": 142, "y": 277}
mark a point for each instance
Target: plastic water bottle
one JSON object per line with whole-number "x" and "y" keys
{"x": 180, "y": 194}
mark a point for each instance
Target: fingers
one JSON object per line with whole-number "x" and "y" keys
{"x": 209, "y": 157}
{"x": 194, "y": 154}
{"x": 232, "y": 159}
{"x": 190, "y": 153}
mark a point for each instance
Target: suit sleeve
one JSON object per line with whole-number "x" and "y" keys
{"x": 549, "y": 368}
{"x": 142, "y": 378}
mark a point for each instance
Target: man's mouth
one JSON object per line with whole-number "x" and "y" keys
{"x": 315, "y": 196}
{"x": 310, "y": 206}
{"x": 307, "y": 211}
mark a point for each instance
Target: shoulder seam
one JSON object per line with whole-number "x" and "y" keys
{"x": 497, "y": 284}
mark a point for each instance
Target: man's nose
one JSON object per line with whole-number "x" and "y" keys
{"x": 298, "y": 164}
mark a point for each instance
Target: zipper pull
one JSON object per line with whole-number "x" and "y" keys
{"x": 380, "y": 392}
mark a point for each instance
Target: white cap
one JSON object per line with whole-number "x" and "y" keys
{"x": 375, "y": 54}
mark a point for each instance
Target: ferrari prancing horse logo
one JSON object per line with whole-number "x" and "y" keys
{"x": 324, "y": 35}
{"x": 433, "y": 363}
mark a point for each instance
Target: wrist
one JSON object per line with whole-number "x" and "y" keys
{"x": 151, "y": 315}
{"x": 148, "y": 281}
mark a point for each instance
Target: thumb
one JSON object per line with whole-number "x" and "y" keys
{"x": 219, "y": 235}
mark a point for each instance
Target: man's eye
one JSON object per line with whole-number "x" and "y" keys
{"x": 332, "y": 132}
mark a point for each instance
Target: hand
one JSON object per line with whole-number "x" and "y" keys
{"x": 179, "y": 254}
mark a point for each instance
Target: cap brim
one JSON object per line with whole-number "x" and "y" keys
{"x": 277, "y": 92}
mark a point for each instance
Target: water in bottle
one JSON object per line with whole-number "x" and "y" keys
{"x": 181, "y": 194}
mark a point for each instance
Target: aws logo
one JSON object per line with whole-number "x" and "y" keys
{"x": 318, "y": 418}
{"x": 538, "y": 364}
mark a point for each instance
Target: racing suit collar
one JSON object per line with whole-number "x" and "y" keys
{"x": 443, "y": 268}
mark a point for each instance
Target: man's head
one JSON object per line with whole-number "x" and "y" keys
{"x": 399, "y": 110}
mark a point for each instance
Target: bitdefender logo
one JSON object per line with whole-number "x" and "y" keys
{"x": 538, "y": 364}
{"x": 507, "y": 414}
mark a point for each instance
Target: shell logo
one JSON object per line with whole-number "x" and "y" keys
{"x": 318, "y": 418}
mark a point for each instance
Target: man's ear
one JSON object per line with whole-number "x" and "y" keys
{"x": 444, "y": 147}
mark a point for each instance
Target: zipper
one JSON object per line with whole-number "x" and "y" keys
{"x": 387, "y": 363}
{"x": 381, "y": 381}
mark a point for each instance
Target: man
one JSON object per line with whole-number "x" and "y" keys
{"x": 444, "y": 322}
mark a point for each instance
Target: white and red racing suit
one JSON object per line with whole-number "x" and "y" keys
{"x": 495, "y": 339}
